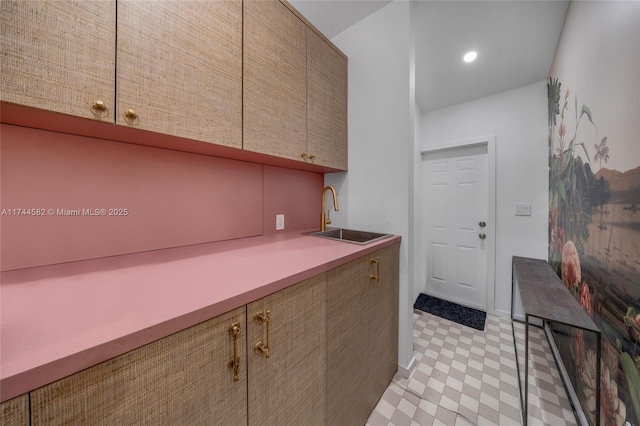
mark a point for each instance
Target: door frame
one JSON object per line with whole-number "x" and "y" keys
{"x": 490, "y": 142}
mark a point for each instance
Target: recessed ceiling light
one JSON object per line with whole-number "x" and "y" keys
{"x": 470, "y": 56}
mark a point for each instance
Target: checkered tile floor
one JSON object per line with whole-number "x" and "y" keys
{"x": 468, "y": 377}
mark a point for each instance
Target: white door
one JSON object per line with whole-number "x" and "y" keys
{"x": 455, "y": 223}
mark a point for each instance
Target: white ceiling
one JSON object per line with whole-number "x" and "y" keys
{"x": 515, "y": 41}
{"x": 334, "y": 16}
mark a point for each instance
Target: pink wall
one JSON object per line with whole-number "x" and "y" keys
{"x": 294, "y": 193}
{"x": 173, "y": 198}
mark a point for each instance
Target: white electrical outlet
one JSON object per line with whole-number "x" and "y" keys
{"x": 279, "y": 222}
{"x": 523, "y": 209}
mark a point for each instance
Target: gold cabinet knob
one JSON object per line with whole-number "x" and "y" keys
{"x": 131, "y": 117}
{"x": 312, "y": 158}
{"x": 99, "y": 109}
{"x": 304, "y": 156}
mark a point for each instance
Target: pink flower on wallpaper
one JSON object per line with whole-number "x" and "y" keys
{"x": 585, "y": 298}
{"x": 571, "y": 274}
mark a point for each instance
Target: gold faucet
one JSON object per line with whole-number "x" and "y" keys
{"x": 324, "y": 219}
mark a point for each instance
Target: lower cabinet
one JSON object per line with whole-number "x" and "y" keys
{"x": 287, "y": 384}
{"x": 320, "y": 352}
{"x": 182, "y": 379}
{"x": 15, "y": 412}
{"x": 362, "y": 335}
{"x": 383, "y": 319}
{"x": 188, "y": 378}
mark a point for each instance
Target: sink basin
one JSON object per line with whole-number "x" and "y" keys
{"x": 350, "y": 235}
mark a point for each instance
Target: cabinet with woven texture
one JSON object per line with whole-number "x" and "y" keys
{"x": 59, "y": 56}
{"x": 362, "y": 334}
{"x": 286, "y": 334}
{"x": 181, "y": 379}
{"x": 179, "y": 69}
{"x": 275, "y": 86}
{"x": 326, "y": 103}
{"x": 295, "y": 88}
{"x": 383, "y": 322}
{"x": 15, "y": 412}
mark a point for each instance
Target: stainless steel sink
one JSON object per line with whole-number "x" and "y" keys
{"x": 350, "y": 235}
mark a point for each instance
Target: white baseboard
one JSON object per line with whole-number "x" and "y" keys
{"x": 499, "y": 313}
{"x": 405, "y": 372}
{"x": 519, "y": 318}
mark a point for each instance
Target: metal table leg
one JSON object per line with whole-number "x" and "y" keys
{"x": 525, "y": 416}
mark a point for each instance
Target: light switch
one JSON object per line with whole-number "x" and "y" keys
{"x": 523, "y": 209}
{"x": 279, "y": 222}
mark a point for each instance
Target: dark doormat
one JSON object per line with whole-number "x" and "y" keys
{"x": 470, "y": 317}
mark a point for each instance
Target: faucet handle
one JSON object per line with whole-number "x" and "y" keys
{"x": 328, "y": 217}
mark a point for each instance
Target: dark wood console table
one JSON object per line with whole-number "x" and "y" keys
{"x": 544, "y": 296}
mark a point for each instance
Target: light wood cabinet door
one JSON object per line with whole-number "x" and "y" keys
{"x": 349, "y": 400}
{"x": 383, "y": 322}
{"x": 362, "y": 335}
{"x": 275, "y": 85}
{"x": 179, "y": 68}
{"x": 182, "y": 379}
{"x": 15, "y": 412}
{"x": 326, "y": 103}
{"x": 289, "y": 387}
{"x": 59, "y": 55}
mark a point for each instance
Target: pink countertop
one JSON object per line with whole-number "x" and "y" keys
{"x": 57, "y": 320}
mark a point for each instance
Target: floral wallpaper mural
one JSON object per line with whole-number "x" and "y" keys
{"x": 594, "y": 226}
{"x": 594, "y": 201}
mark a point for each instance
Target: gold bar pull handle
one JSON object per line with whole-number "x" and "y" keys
{"x": 234, "y": 364}
{"x": 263, "y": 348}
{"x": 376, "y": 262}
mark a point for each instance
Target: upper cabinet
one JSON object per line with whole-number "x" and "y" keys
{"x": 252, "y": 75}
{"x": 275, "y": 85}
{"x": 295, "y": 88}
{"x": 326, "y": 103}
{"x": 59, "y": 56}
{"x": 179, "y": 69}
